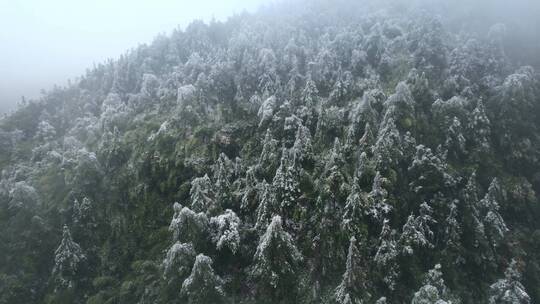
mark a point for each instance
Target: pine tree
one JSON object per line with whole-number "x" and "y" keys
{"x": 286, "y": 183}
{"x": 356, "y": 207}
{"x": 269, "y": 154}
{"x": 202, "y": 195}
{"x": 203, "y": 285}
{"x": 352, "y": 289}
{"x": 378, "y": 196}
{"x": 386, "y": 150}
{"x": 509, "y": 290}
{"x": 367, "y": 140}
{"x": 333, "y": 177}
{"x": 455, "y": 141}
{"x": 429, "y": 173}
{"x": 416, "y": 231}
{"x": 452, "y": 230}
{"x": 302, "y": 149}
{"x": 68, "y": 258}
{"x": 276, "y": 264}
{"x": 267, "y": 207}
{"x": 493, "y": 222}
{"x": 310, "y": 101}
{"x": 226, "y": 231}
{"x": 327, "y": 243}
{"x": 84, "y": 214}
{"x": 480, "y": 128}
{"x": 434, "y": 290}
{"x": 178, "y": 262}
{"x": 386, "y": 255}
{"x": 223, "y": 173}
{"x": 188, "y": 226}
{"x": 472, "y": 216}
{"x": 250, "y": 193}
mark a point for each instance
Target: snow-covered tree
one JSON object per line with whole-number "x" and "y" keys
{"x": 509, "y": 290}
{"x": 150, "y": 85}
{"x": 285, "y": 182}
{"x": 352, "y": 289}
{"x": 493, "y": 222}
{"x": 276, "y": 263}
{"x": 327, "y": 241}
{"x": 178, "y": 262}
{"x": 23, "y": 196}
{"x": 251, "y": 190}
{"x": 379, "y": 199}
{"x": 310, "y": 101}
{"x": 223, "y": 173}
{"x": 266, "y": 111}
{"x": 416, "y": 231}
{"x": 455, "y": 140}
{"x": 302, "y": 149}
{"x": 386, "y": 149}
{"x": 356, "y": 207}
{"x": 225, "y": 231}
{"x": 268, "y": 159}
{"x": 267, "y": 208}
{"x": 472, "y": 215}
{"x": 386, "y": 255}
{"x": 334, "y": 179}
{"x": 452, "y": 230}
{"x": 202, "y": 195}
{"x": 367, "y": 140}
{"x": 68, "y": 258}
{"x": 428, "y": 173}
{"x": 45, "y": 131}
{"x": 434, "y": 290}
{"x": 188, "y": 226}
{"x": 83, "y": 213}
{"x": 203, "y": 285}
{"x": 480, "y": 128}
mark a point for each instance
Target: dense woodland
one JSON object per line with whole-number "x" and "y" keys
{"x": 315, "y": 152}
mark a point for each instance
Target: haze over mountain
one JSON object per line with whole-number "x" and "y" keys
{"x": 314, "y": 151}
{"x": 44, "y": 43}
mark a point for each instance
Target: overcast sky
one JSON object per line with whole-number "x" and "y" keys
{"x": 45, "y": 42}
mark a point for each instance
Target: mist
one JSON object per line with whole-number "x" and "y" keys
{"x": 43, "y": 43}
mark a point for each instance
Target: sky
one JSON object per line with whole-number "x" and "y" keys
{"x": 46, "y": 42}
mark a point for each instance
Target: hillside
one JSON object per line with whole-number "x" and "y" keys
{"x": 314, "y": 152}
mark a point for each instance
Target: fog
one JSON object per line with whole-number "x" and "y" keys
{"x": 43, "y": 43}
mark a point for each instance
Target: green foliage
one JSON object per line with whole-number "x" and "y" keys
{"x": 284, "y": 136}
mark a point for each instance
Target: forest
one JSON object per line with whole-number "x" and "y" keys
{"x": 321, "y": 151}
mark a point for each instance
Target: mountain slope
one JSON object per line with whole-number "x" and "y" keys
{"x": 320, "y": 152}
